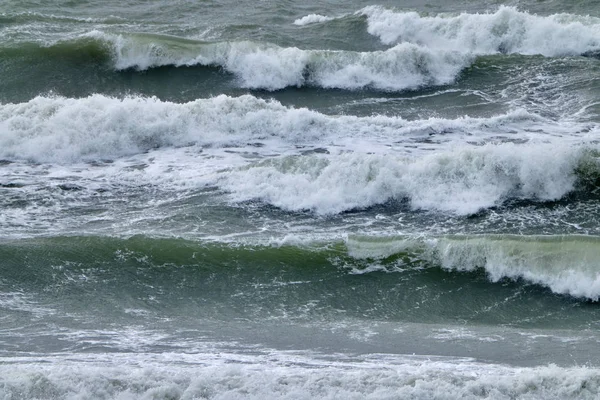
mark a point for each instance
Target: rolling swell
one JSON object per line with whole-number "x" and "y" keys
{"x": 33, "y": 17}
{"x": 379, "y": 265}
{"x": 84, "y": 51}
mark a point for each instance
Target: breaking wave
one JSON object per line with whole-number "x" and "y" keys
{"x": 425, "y": 50}
{"x": 564, "y": 264}
{"x": 505, "y": 31}
{"x": 270, "y": 67}
{"x": 462, "y": 181}
{"x": 360, "y": 161}
{"x": 65, "y": 130}
{"x": 261, "y": 65}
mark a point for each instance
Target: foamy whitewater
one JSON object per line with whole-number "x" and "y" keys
{"x": 298, "y": 201}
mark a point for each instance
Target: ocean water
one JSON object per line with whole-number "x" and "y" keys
{"x": 294, "y": 200}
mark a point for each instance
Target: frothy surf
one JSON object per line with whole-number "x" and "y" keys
{"x": 504, "y": 31}
{"x": 67, "y": 130}
{"x": 360, "y": 159}
{"x": 462, "y": 181}
{"x": 267, "y": 66}
{"x": 202, "y": 243}
{"x": 427, "y": 50}
{"x": 181, "y": 376}
{"x": 507, "y": 30}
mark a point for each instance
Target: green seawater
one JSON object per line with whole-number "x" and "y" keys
{"x": 276, "y": 199}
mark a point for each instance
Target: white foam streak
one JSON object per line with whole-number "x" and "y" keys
{"x": 504, "y": 31}
{"x": 312, "y": 19}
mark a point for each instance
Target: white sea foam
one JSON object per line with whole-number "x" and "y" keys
{"x": 312, "y": 19}
{"x": 19, "y": 301}
{"x": 371, "y": 160}
{"x": 427, "y": 50}
{"x": 564, "y": 264}
{"x": 460, "y": 180}
{"x": 56, "y": 129}
{"x": 265, "y": 66}
{"x": 65, "y": 130}
{"x": 507, "y": 30}
{"x": 169, "y": 376}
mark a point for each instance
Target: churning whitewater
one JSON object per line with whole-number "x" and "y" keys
{"x": 329, "y": 200}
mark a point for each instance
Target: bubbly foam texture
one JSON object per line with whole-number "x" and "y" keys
{"x": 273, "y": 378}
{"x": 64, "y": 130}
{"x": 505, "y": 31}
{"x": 367, "y": 166}
{"x": 18, "y": 301}
{"x": 265, "y": 66}
{"x": 462, "y": 180}
{"x": 427, "y": 51}
{"x": 56, "y": 129}
{"x": 564, "y": 264}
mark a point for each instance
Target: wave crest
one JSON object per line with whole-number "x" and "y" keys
{"x": 505, "y": 31}
{"x": 266, "y": 66}
{"x": 564, "y": 264}
{"x": 463, "y": 181}
{"x": 64, "y": 130}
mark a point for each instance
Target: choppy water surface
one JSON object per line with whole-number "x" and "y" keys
{"x": 276, "y": 200}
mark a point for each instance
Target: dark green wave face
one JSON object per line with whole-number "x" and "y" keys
{"x": 509, "y": 279}
{"x": 406, "y": 293}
